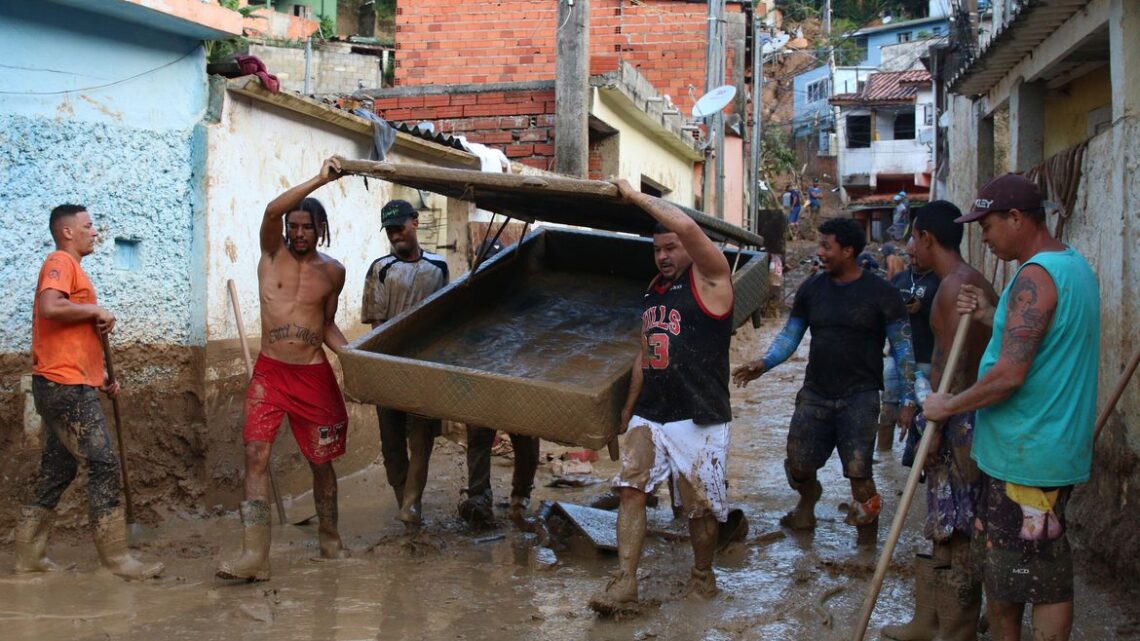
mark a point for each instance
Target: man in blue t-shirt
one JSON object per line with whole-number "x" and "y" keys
{"x": 1036, "y": 404}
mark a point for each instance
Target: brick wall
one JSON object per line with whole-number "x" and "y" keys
{"x": 520, "y": 121}
{"x": 513, "y": 40}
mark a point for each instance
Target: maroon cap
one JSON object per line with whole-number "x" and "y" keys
{"x": 1004, "y": 193}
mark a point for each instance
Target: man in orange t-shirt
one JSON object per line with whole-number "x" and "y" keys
{"x": 67, "y": 368}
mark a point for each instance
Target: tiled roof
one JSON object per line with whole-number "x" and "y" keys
{"x": 887, "y": 87}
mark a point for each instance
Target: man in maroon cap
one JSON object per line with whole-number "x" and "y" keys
{"x": 1035, "y": 398}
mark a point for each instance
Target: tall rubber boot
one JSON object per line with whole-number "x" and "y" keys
{"x": 111, "y": 542}
{"x": 420, "y": 442}
{"x": 959, "y": 602}
{"x": 253, "y": 564}
{"x": 31, "y": 540}
{"x": 923, "y": 625}
{"x": 803, "y": 516}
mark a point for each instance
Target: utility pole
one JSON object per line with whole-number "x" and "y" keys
{"x": 572, "y": 88}
{"x": 712, "y": 178}
{"x": 757, "y": 102}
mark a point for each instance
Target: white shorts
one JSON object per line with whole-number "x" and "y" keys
{"x": 680, "y": 449}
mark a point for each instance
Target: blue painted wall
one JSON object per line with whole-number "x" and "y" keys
{"x": 877, "y": 39}
{"x": 106, "y": 114}
{"x": 805, "y": 113}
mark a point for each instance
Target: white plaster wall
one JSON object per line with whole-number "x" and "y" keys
{"x": 256, "y": 152}
{"x": 639, "y": 155}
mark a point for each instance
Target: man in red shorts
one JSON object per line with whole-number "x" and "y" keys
{"x": 298, "y": 287}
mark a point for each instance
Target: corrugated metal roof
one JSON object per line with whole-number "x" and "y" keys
{"x": 440, "y": 138}
{"x": 887, "y": 87}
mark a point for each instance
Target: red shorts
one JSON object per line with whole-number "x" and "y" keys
{"x": 309, "y": 395}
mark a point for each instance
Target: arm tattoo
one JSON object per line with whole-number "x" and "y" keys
{"x": 898, "y": 333}
{"x": 786, "y": 342}
{"x": 1026, "y": 322}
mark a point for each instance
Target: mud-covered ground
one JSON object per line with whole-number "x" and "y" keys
{"x": 457, "y": 584}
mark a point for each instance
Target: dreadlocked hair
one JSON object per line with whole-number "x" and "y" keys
{"x": 320, "y": 219}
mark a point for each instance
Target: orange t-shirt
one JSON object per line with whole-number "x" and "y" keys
{"x": 66, "y": 353}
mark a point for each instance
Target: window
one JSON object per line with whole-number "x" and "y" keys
{"x": 858, "y": 132}
{"x": 904, "y": 36}
{"x": 302, "y": 11}
{"x": 904, "y": 125}
{"x": 927, "y": 115}
{"x": 819, "y": 90}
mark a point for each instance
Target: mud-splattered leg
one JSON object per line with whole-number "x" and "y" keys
{"x": 394, "y": 448}
{"x": 702, "y": 535}
{"x": 620, "y": 594}
{"x": 325, "y": 499}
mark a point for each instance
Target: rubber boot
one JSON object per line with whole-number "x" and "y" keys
{"x": 703, "y": 536}
{"x": 111, "y": 542}
{"x": 411, "y": 504}
{"x": 478, "y": 510}
{"x": 959, "y": 603}
{"x": 923, "y": 625}
{"x": 803, "y": 516}
{"x": 31, "y": 540}
{"x": 253, "y": 564}
{"x": 516, "y": 512}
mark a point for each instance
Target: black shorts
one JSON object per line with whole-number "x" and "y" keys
{"x": 1016, "y": 569}
{"x": 821, "y": 425}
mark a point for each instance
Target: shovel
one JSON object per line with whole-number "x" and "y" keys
{"x": 134, "y": 530}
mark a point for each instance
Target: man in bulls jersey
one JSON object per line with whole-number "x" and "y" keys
{"x": 677, "y": 414}
{"x": 851, "y": 313}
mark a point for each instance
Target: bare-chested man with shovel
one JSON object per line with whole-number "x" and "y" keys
{"x": 299, "y": 288}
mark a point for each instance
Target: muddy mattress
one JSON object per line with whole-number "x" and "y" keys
{"x": 540, "y": 341}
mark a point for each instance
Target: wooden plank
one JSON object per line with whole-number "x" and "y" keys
{"x": 556, "y": 199}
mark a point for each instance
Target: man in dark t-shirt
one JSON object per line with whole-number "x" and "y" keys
{"x": 917, "y": 287}
{"x": 851, "y": 313}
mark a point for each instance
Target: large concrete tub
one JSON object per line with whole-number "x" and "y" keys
{"x": 539, "y": 341}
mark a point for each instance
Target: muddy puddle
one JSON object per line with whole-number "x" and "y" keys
{"x": 455, "y": 584}
{"x": 568, "y": 328}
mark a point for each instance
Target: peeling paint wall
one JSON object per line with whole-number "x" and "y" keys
{"x": 104, "y": 113}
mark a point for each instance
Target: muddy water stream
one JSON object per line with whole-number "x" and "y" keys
{"x": 456, "y": 584}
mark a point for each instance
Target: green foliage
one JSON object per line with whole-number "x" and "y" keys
{"x": 778, "y": 157}
{"x": 328, "y": 27}
{"x": 223, "y": 50}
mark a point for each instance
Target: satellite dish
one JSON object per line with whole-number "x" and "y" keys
{"x": 775, "y": 43}
{"x": 713, "y": 101}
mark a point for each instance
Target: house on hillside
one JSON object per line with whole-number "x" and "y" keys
{"x": 1054, "y": 89}
{"x": 894, "y": 46}
{"x": 886, "y": 135}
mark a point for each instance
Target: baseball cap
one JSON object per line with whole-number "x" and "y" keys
{"x": 396, "y": 213}
{"x": 899, "y": 196}
{"x": 1004, "y": 193}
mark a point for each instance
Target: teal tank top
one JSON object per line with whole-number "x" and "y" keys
{"x": 1042, "y": 435}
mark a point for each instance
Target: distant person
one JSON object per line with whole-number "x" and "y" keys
{"x": 900, "y": 216}
{"x": 1035, "y": 399}
{"x": 796, "y": 205}
{"x": 894, "y": 263}
{"x": 67, "y": 374}
{"x": 851, "y": 313}
{"x": 299, "y": 288}
{"x": 815, "y": 201}
{"x": 394, "y": 284}
{"x": 677, "y": 415}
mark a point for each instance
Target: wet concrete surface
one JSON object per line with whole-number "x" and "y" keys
{"x": 451, "y": 583}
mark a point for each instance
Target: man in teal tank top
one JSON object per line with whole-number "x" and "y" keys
{"x": 1036, "y": 405}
